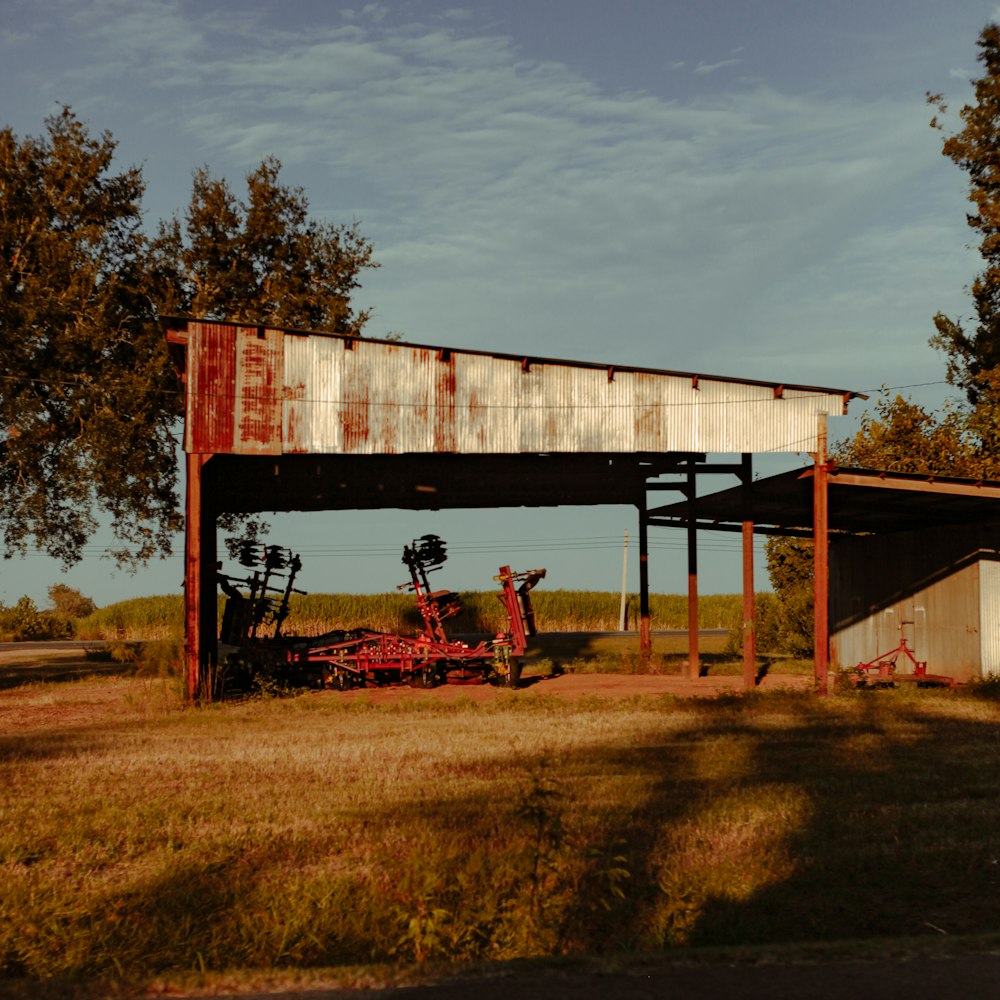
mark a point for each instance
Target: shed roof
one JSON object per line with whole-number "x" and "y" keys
{"x": 861, "y": 501}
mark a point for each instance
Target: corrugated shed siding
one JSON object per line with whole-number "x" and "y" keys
{"x": 989, "y": 616}
{"x": 360, "y": 397}
{"x": 928, "y": 582}
{"x": 211, "y": 391}
{"x": 259, "y": 391}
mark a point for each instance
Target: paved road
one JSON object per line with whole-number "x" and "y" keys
{"x": 51, "y": 646}
{"x": 968, "y": 977}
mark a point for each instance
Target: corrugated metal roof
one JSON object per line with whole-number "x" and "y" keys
{"x": 262, "y": 391}
{"x": 860, "y": 500}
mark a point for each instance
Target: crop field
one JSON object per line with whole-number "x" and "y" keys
{"x": 320, "y": 838}
{"x": 314, "y": 614}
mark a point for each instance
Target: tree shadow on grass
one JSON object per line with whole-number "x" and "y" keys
{"x": 17, "y": 675}
{"x": 757, "y": 820}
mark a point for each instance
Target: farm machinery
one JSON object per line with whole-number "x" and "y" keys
{"x": 882, "y": 671}
{"x": 360, "y": 657}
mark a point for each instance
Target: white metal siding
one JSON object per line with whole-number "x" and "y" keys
{"x": 989, "y": 616}
{"x": 376, "y": 398}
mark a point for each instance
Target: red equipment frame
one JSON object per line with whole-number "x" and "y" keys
{"x": 359, "y": 657}
{"x": 882, "y": 670}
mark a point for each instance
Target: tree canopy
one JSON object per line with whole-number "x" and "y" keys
{"x": 89, "y": 403}
{"x": 263, "y": 259}
{"x": 963, "y": 438}
{"x": 87, "y": 399}
{"x": 973, "y": 356}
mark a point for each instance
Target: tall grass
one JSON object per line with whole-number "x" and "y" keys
{"x": 314, "y": 614}
{"x": 315, "y": 832}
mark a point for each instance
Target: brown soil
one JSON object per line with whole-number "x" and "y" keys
{"x": 27, "y": 704}
{"x": 575, "y": 686}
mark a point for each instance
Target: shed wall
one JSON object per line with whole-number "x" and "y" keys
{"x": 933, "y": 587}
{"x": 989, "y": 616}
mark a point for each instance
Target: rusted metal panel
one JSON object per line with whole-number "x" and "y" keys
{"x": 259, "y": 384}
{"x": 264, "y": 391}
{"x": 211, "y": 394}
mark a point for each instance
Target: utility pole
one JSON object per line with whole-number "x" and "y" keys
{"x": 621, "y": 613}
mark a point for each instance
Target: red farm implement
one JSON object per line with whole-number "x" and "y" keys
{"x": 882, "y": 671}
{"x": 365, "y": 657}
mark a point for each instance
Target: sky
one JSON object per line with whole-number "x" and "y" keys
{"x": 736, "y": 187}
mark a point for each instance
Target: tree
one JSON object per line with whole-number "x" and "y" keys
{"x": 87, "y": 398}
{"x": 263, "y": 260}
{"x": 68, "y": 601}
{"x": 902, "y": 436}
{"x": 974, "y": 357}
{"x": 790, "y": 567}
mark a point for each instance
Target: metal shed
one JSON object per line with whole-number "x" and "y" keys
{"x": 910, "y": 556}
{"x": 280, "y": 420}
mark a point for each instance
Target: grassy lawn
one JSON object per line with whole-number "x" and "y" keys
{"x": 140, "y": 840}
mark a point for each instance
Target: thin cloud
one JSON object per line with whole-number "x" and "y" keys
{"x": 703, "y": 69}
{"x": 492, "y": 182}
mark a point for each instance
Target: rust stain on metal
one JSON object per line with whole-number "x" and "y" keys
{"x": 293, "y": 429}
{"x": 444, "y": 404}
{"x": 355, "y": 420}
{"x": 259, "y": 377}
{"x": 213, "y": 388}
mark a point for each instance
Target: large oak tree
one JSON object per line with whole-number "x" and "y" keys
{"x": 89, "y": 404}
{"x": 87, "y": 399}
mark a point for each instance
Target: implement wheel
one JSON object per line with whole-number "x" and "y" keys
{"x": 426, "y": 678}
{"x": 514, "y": 674}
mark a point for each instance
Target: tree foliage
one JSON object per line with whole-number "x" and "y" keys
{"x": 262, "y": 260}
{"x": 68, "y": 601}
{"x": 902, "y": 436}
{"x": 973, "y": 357}
{"x": 87, "y": 399}
{"x": 790, "y": 567}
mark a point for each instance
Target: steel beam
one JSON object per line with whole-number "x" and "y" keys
{"x": 821, "y": 560}
{"x": 749, "y": 632}
{"x": 694, "y": 656}
{"x": 193, "y": 577}
{"x": 645, "y": 638}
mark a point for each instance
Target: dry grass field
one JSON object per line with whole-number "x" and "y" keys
{"x": 331, "y": 838}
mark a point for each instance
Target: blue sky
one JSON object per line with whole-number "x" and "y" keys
{"x": 740, "y": 187}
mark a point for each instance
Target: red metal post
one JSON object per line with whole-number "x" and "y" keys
{"x": 821, "y": 563}
{"x": 645, "y": 638}
{"x": 749, "y": 636}
{"x": 694, "y": 657}
{"x": 193, "y": 576}
{"x": 199, "y": 581}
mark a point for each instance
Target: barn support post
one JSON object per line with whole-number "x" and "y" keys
{"x": 199, "y": 581}
{"x": 645, "y": 637}
{"x": 749, "y": 634}
{"x": 694, "y": 656}
{"x": 821, "y": 561}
